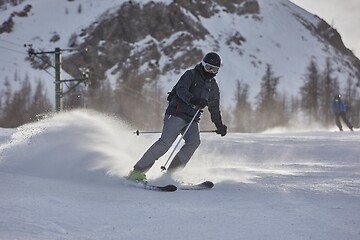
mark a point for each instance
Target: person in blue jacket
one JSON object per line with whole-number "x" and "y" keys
{"x": 339, "y": 109}
{"x": 195, "y": 90}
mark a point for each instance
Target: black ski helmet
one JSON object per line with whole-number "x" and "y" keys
{"x": 211, "y": 62}
{"x": 337, "y": 96}
{"x": 213, "y": 59}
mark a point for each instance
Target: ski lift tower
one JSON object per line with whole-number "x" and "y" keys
{"x": 58, "y": 84}
{"x": 58, "y": 81}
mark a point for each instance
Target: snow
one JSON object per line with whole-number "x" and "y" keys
{"x": 45, "y": 19}
{"x": 61, "y": 178}
{"x": 275, "y": 36}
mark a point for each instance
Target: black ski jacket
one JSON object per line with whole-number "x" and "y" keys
{"x": 193, "y": 83}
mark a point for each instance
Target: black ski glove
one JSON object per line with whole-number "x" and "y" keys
{"x": 199, "y": 102}
{"x": 221, "y": 129}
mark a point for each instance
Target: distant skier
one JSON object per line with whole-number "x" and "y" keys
{"x": 338, "y": 108}
{"x": 196, "y": 89}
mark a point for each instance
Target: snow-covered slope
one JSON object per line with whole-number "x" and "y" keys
{"x": 61, "y": 178}
{"x": 276, "y": 37}
{"x": 279, "y": 35}
{"x": 46, "y": 19}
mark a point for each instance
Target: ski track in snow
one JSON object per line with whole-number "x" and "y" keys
{"x": 62, "y": 178}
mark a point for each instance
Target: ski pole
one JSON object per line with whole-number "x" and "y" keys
{"x": 138, "y": 132}
{"x": 163, "y": 168}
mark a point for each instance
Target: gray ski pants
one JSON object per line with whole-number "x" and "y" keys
{"x": 172, "y": 127}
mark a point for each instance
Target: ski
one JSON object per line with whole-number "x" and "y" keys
{"x": 201, "y": 186}
{"x": 147, "y": 186}
{"x": 170, "y": 187}
{"x": 166, "y": 188}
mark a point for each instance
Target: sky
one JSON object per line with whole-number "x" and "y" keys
{"x": 61, "y": 178}
{"x": 343, "y": 15}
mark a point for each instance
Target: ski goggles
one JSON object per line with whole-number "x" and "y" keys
{"x": 210, "y": 68}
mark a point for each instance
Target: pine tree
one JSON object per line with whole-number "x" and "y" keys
{"x": 351, "y": 99}
{"x": 243, "y": 113}
{"x": 16, "y": 110}
{"x": 6, "y": 97}
{"x": 19, "y": 107}
{"x": 267, "y": 111}
{"x": 328, "y": 88}
{"x": 310, "y": 92}
{"x": 40, "y": 104}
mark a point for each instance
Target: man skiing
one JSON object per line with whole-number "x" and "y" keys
{"x": 196, "y": 89}
{"x": 338, "y": 108}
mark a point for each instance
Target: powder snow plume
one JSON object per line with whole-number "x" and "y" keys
{"x": 87, "y": 146}
{"x": 79, "y": 145}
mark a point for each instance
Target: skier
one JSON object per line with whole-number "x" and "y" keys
{"x": 196, "y": 89}
{"x": 338, "y": 108}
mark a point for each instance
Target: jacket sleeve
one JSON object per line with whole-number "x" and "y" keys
{"x": 183, "y": 86}
{"x": 214, "y": 104}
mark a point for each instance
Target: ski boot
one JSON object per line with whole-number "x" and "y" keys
{"x": 137, "y": 176}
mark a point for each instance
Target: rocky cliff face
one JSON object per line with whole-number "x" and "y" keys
{"x": 333, "y": 37}
{"x": 330, "y": 35}
{"x": 137, "y": 37}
